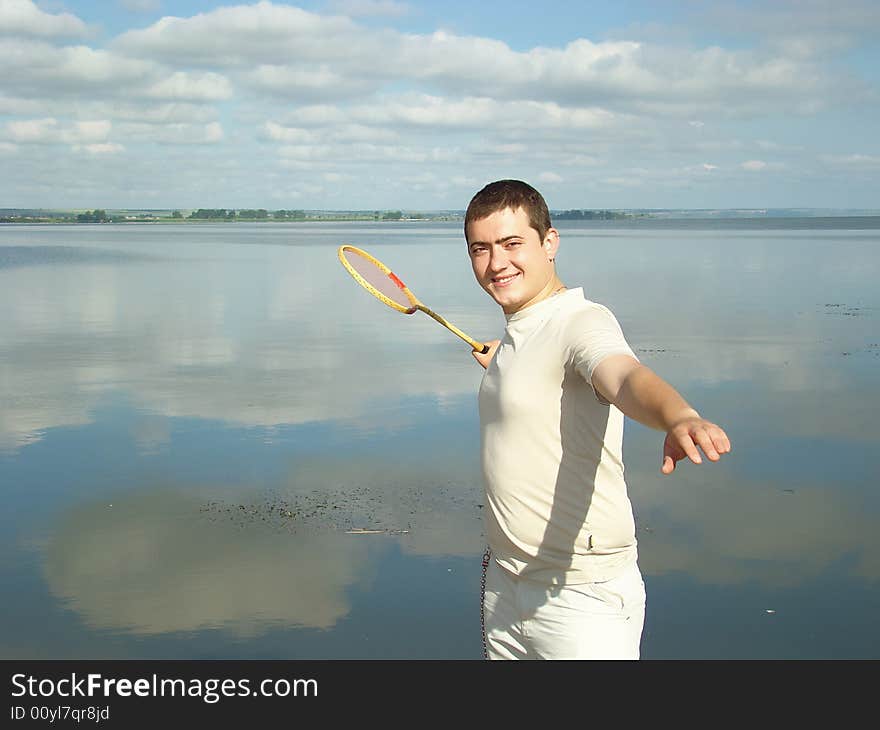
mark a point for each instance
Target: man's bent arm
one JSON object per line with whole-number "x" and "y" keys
{"x": 645, "y": 397}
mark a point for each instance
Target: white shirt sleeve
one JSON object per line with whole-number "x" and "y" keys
{"x": 593, "y": 334}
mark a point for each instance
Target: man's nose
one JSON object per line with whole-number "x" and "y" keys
{"x": 497, "y": 258}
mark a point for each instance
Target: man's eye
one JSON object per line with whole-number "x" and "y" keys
{"x": 477, "y": 251}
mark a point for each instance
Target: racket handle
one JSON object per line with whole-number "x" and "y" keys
{"x": 476, "y": 346}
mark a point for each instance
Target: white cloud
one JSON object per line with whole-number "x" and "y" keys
{"x": 293, "y": 52}
{"x": 336, "y": 96}
{"x": 289, "y": 135}
{"x": 90, "y": 131}
{"x": 512, "y": 148}
{"x": 304, "y": 83}
{"x": 335, "y": 177}
{"x": 172, "y": 134}
{"x": 163, "y": 113}
{"x": 192, "y": 87}
{"x": 754, "y": 165}
{"x": 23, "y": 17}
{"x": 144, "y": 109}
{"x": 428, "y": 111}
{"x": 213, "y": 132}
{"x": 466, "y": 113}
{"x": 360, "y": 152}
{"x": 319, "y": 115}
{"x": 550, "y": 177}
{"x": 39, "y": 69}
{"x": 580, "y": 160}
{"x": 364, "y": 133}
{"x": 330, "y": 135}
{"x": 103, "y": 148}
{"x": 51, "y": 131}
{"x": 854, "y": 161}
{"x": 242, "y": 35}
{"x": 16, "y": 106}
{"x": 33, "y": 130}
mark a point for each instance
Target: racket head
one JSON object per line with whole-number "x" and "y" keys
{"x": 377, "y": 279}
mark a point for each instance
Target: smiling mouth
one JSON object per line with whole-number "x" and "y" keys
{"x": 504, "y": 280}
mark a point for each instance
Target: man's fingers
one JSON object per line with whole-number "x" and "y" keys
{"x": 704, "y": 440}
{"x": 718, "y": 442}
{"x": 485, "y": 359}
{"x": 722, "y": 443}
{"x": 687, "y": 439}
{"x": 687, "y": 445}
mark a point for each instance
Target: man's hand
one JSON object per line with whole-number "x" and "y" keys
{"x": 645, "y": 397}
{"x": 683, "y": 438}
{"x": 484, "y": 360}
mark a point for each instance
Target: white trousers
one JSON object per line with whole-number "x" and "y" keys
{"x": 524, "y": 619}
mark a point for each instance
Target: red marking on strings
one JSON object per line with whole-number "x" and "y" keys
{"x": 396, "y": 280}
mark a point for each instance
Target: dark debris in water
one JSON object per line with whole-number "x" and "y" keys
{"x": 845, "y": 310}
{"x": 361, "y": 510}
{"x": 871, "y": 349}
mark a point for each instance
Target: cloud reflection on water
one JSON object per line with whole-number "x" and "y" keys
{"x": 151, "y": 563}
{"x": 235, "y": 341}
{"x": 722, "y": 529}
{"x": 159, "y": 560}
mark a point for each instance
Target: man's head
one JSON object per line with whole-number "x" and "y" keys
{"x": 511, "y": 194}
{"x": 512, "y": 244}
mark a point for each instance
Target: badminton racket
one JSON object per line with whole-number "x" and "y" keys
{"x": 383, "y": 284}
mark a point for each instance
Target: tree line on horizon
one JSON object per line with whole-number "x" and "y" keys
{"x": 263, "y": 214}
{"x": 99, "y": 215}
{"x": 589, "y": 215}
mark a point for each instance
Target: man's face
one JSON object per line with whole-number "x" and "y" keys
{"x": 509, "y": 259}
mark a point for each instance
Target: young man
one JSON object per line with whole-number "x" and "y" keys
{"x": 561, "y": 576}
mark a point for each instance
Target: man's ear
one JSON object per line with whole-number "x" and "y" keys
{"x": 551, "y": 243}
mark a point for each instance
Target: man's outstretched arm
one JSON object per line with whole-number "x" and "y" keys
{"x": 645, "y": 397}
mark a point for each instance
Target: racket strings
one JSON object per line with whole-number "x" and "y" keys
{"x": 377, "y": 279}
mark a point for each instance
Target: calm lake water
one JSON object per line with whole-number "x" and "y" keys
{"x": 194, "y": 419}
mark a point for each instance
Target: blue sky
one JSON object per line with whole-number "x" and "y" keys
{"x": 377, "y": 104}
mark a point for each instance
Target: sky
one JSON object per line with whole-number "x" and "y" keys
{"x": 414, "y": 105}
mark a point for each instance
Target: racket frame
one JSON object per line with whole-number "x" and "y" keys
{"x": 416, "y": 304}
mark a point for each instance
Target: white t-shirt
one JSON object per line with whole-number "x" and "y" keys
{"x": 557, "y": 509}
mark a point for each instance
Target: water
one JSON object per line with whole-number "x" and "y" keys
{"x": 195, "y": 421}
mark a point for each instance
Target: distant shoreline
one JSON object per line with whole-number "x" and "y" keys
{"x": 202, "y": 221}
{"x": 811, "y": 223}
{"x": 733, "y": 218}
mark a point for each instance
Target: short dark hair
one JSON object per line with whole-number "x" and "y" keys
{"x": 513, "y": 194}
